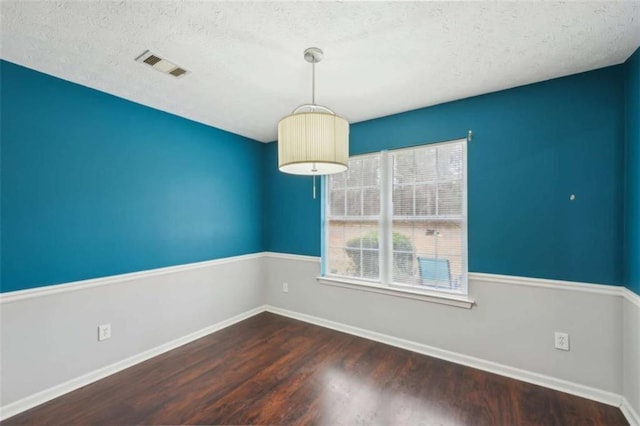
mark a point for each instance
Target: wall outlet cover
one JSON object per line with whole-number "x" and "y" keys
{"x": 104, "y": 332}
{"x": 562, "y": 341}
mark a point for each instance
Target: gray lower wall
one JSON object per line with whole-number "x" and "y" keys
{"x": 51, "y": 339}
{"x": 512, "y": 325}
{"x": 48, "y": 340}
{"x": 631, "y": 355}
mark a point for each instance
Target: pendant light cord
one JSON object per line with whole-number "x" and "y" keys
{"x": 314, "y": 187}
{"x": 313, "y": 82}
{"x": 313, "y": 102}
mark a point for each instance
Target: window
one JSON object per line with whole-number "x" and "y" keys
{"x": 399, "y": 219}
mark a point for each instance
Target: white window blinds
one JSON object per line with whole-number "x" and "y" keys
{"x": 354, "y": 217}
{"x": 399, "y": 218}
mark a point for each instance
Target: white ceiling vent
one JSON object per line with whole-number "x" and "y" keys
{"x": 160, "y": 64}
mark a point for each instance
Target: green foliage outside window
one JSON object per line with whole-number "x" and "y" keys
{"x": 364, "y": 255}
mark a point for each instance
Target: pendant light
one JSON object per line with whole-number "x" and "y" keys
{"x": 313, "y": 140}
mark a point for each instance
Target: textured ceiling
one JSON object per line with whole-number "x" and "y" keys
{"x": 246, "y": 63}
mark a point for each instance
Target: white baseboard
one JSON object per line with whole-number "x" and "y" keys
{"x": 493, "y": 367}
{"x": 470, "y": 361}
{"x": 632, "y": 415}
{"x": 93, "y": 376}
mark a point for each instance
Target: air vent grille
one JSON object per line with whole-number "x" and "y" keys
{"x": 177, "y": 72}
{"x": 152, "y": 60}
{"x": 160, "y": 64}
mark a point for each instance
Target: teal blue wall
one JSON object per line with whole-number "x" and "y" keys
{"x": 632, "y": 178}
{"x": 93, "y": 185}
{"x": 533, "y": 147}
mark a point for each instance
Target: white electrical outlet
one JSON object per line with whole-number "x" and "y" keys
{"x": 104, "y": 332}
{"x": 285, "y": 287}
{"x": 562, "y": 341}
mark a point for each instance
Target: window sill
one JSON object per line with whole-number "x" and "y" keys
{"x": 426, "y": 296}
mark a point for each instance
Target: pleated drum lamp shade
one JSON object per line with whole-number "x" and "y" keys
{"x": 313, "y": 143}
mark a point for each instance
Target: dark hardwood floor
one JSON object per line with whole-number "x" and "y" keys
{"x": 274, "y": 370}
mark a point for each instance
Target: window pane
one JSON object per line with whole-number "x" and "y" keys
{"x": 354, "y": 202}
{"x": 426, "y": 199}
{"x": 428, "y": 254}
{"x": 371, "y": 201}
{"x": 354, "y": 173}
{"x": 425, "y": 159}
{"x": 370, "y": 171}
{"x": 403, "y": 262}
{"x": 337, "y": 180}
{"x": 353, "y": 249}
{"x": 450, "y": 198}
{"x": 352, "y": 220}
{"x": 403, "y": 200}
{"x": 337, "y": 261}
{"x": 337, "y": 202}
{"x": 403, "y": 167}
{"x": 449, "y": 159}
{"x": 438, "y": 180}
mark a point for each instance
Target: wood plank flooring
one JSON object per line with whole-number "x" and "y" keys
{"x": 274, "y": 370}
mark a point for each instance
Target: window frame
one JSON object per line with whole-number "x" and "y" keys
{"x": 385, "y": 220}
